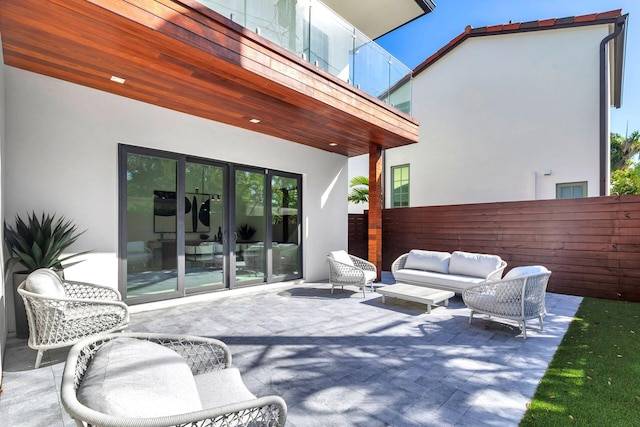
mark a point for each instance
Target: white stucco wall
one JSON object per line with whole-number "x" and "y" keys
{"x": 6, "y": 287}
{"x": 61, "y": 156}
{"x": 498, "y": 111}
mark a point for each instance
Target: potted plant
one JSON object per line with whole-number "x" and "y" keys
{"x": 246, "y": 232}
{"x": 37, "y": 243}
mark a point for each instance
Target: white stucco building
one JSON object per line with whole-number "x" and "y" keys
{"x": 167, "y": 130}
{"x": 512, "y": 112}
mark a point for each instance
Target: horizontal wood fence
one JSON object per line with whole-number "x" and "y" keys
{"x": 591, "y": 245}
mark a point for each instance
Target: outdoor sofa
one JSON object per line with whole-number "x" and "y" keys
{"x": 453, "y": 272}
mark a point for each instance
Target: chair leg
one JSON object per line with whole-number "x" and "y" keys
{"x": 39, "y": 358}
{"x": 541, "y": 325}
{"x": 524, "y": 329}
{"x": 364, "y": 295}
{"x": 470, "y": 316}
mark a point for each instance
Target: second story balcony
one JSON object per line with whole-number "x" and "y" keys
{"x": 186, "y": 56}
{"x": 314, "y": 32}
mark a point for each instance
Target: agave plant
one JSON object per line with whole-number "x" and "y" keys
{"x": 246, "y": 231}
{"x": 39, "y": 242}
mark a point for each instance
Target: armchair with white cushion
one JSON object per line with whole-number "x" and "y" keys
{"x": 161, "y": 380}
{"x": 345, "y": 269}
{"x": 61, "y": 313}
{"x": 520, "y": 296}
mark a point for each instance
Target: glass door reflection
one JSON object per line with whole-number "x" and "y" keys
{"x": 151, "y": 217}
{"x": 249, "y": 225}
{"x": 285, "y": 226}
{"x": 204, "y": 222}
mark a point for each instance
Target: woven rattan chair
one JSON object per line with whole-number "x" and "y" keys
{"x": 345, "y": 269}
{"x": 207, "y": 363}
{"x": 61, "y": 313}
{"x": 519, "y": 296}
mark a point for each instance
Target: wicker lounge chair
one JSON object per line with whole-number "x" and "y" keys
{"x": 519, "y": 296}
{"x": 144, "y": 380}
{"x": 61, "y": 313}
{"x": 345, "y": 269}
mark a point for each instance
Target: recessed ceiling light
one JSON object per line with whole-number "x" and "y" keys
{"x": 117, "y": 79}
{"x": 333, "y": 144}
{"x": 255, "y": 120}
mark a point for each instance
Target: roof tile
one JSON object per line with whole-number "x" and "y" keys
{"x": 494, "y": 28}
{"x": 565, "y": 21}
{"x": 586, "y": 18}
{"x": 511, "y": 27}
{"x": 610, "y": 14}
{"x": 530, "y": 24}
{"x": 547, "y": 22}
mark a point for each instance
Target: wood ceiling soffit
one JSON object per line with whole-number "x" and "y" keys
{"x": 181, "y": 66}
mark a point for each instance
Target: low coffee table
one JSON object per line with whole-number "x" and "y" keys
{"x": 415, "y": 293}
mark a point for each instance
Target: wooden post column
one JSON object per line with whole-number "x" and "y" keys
{"x": 375, "y": 207}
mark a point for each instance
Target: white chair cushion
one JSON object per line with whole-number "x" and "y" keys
{"x": 45, "y": 282}
{"x": 471, "y": 264}
{"x": 525, "y": 271}
{"x": 135, "y": 378}
{"x": 370, "y": 276}
{"x": 428, "y": 261}
{"x": 222, "y": 387}
{"x": 341, "y": 256}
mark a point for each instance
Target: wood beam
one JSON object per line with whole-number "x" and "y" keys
{"x": 375, "y": 207}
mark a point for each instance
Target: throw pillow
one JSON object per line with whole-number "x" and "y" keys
{"x": 428, "y": 261}
{"x": 136, "y": 378}
{"x": 45, "y": 282}
{"x": 341, "y": 256}
{"x": 525, "y": 271}
{"x": 472, "y": 264}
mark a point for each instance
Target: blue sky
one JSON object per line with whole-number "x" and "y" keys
{"x": 417, "y": 40}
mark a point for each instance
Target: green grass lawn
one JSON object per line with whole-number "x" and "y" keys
{"x": 594, "y": 377}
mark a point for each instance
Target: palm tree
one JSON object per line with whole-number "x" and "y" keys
{"x": 623, "y": 149}
{"x": 359, "y": 189}
{"x": 625, "y": 171}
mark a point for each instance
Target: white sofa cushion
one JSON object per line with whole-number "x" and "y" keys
{"x": 45, "y": 282}
{"x": 342, "y": 256}
{"x": 525, "y": 271}
{"x": 455, "y": 283}
{"x": 472, "y": 264}
{"x": 428, "y": 261}
{"x": 136, "y": 378}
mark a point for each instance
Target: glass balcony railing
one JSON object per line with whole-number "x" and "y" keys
{"x": 316, "y": 33}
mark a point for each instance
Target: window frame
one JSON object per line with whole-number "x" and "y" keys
{"x": 395, "y": 192}
{"x": 562, "y": 185}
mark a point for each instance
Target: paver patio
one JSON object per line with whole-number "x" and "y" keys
{"x": 337, "y": 360}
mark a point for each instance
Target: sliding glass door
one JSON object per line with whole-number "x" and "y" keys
{"x": 204, "y": 222}
{"x": 150, "y": 267}
{"x": 249, "y": 223}
{"x": 285, "y": 225}
{"x": 195, "y": 225}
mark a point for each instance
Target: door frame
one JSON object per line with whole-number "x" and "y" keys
{"x": 228, "y": 229}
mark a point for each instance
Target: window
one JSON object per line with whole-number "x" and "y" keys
{"x": 571, "y": 190}
{"x": 400, "y": 186}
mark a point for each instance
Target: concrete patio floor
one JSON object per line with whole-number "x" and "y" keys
{"x": 337, "y": 360}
